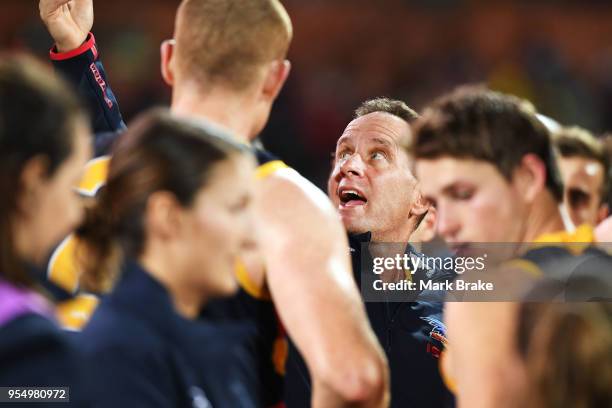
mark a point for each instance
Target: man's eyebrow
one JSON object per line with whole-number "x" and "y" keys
{"x": 383, "y": 142}
{"x": 343, "y": 139}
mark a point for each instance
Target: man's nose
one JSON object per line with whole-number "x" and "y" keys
{"x": 354, "y": 166}
{"x": 447, "y": 225}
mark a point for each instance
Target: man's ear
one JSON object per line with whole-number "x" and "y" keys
{"x": 530, "y": 177}
{"x": 167, "y": 54}
{"x": 420, "y": 206}
{"x": 276, "y": 76}
{"x": 162, "y": 215}
{"x": 31, "y": 180}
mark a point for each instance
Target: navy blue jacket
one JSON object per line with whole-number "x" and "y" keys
{"x": 142, "y": 353}
{"x": 409, "y": 333}
{"x": 35, "y": 353}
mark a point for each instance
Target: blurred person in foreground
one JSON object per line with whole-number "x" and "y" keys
{"x": 378, "y": 198}
{"x": 227, "y": 66}
{"x": 585, "y": 170}
{"x": 171, "y": 221}
{"x": 44, "y": 145}
{"x": 575, "y": 372}
{"x": 490, "y": 172}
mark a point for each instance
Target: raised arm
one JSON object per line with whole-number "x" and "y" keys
{"x": 309, "y": 276}
{"x": 75, "y": 55}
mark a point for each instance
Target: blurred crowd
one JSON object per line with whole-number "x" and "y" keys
{"x": 556, "y": 54}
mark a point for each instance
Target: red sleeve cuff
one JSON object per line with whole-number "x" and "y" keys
{"x": 89, "y": 44}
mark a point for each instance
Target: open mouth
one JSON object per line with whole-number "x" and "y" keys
{"x": 351, "y": 197}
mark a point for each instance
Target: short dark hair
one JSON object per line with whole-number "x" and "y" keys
{"x": 474, "y": 122}
{"x": 394, "y": 107}
{"x": 578, "y": 142}
{"x": 38, "y": 112}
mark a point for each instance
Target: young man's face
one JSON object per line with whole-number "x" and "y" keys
{"x": 474, "y": 202}
{"x": 583, "y": 181}
{"x": 371, "y": 184}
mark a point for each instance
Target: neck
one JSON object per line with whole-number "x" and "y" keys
{"x": 221, "y": 107}
{"x": 187, "y": 302}
{"x": 397, "y": 234}
{"x": 545, "y": 218}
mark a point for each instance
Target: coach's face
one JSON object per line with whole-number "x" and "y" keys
{"x": 371, "y": 183}
{"x": 474, "y": 202}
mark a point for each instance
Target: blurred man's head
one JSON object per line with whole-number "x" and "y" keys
{"x": 486, "y": 163}
{"x": 584, "y": 168}
{"x": 372, "y": 184}
{"x": 230, "y": 47}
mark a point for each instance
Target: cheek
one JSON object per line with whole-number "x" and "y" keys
{"x": 211, "y": 234}
{"x": 332, "y": 187}
{"x": 393, "y": 191}
{"x": 491, "y": 212}
{"x": 61, "y": 211}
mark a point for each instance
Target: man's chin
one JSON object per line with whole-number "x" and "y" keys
{"x": 354, "y": 227}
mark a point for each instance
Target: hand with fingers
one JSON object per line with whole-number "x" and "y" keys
{"x": 68, "y": 21}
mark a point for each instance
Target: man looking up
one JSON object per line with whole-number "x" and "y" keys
{"x": 371, "y": 184}
{"x": 378, "y": 198}
{"x": 227, "y": 66}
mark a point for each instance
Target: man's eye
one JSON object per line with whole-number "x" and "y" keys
{"x": 344, "y": 155}
{"x": 378, "y": 155}
{"x": 462, "y": 194}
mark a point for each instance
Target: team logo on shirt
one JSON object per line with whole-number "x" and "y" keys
{"x": 437, "y": 336}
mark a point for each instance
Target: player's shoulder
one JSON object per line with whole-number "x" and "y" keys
{"x": 34, "y": 350}
{"x": 31, "y": 330}
{"x": 288, "y": 191}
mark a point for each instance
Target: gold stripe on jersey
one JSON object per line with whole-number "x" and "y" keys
{"x": 94, "y": 176}
{"x": 245, "y": 281}
{"x": 62, "y": 269}
{"x": 581, "y": 239}
{"x": 75, "y": 313}
{"x": 269, "y": 168}
{"x": 524, "y": 265}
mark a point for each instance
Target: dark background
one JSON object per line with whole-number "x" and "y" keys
{"x": 558, "y": 54}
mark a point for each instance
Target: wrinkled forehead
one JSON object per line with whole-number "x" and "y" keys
{"x": 376, "y": 128}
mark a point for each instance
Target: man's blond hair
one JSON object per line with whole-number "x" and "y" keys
{"x": 225, "y": 42}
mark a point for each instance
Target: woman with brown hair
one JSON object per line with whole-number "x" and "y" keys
{"x": 44, "y": 145}
{"x": 165, "y": 234}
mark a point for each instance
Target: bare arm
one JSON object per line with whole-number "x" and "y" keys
{"x": 483, "y": 363}
{"x": 309, "y": 276}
